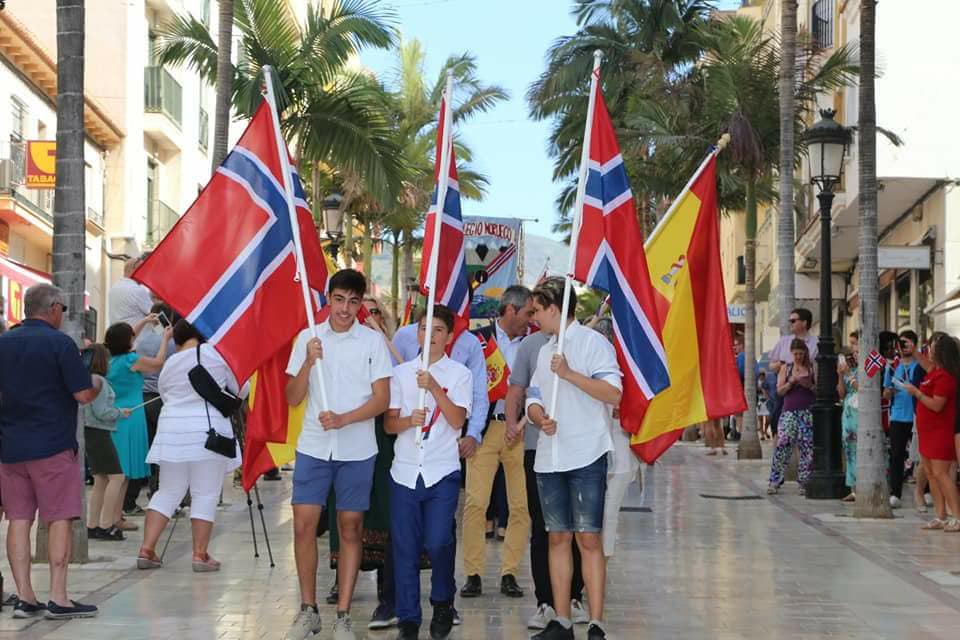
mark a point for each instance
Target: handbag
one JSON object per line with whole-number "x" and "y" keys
{"x": 200, "y": 377}
{"x": 208, "y": 389}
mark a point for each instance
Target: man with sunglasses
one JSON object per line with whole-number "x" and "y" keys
{"x": 902, "y": 409}
{"x": 800, "y": 322}
{"x": 42, "y": 381}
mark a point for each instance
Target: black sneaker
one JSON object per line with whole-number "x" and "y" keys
{"x": 408, "y": 631}
{"x": 554, "y": 631}
{"x": 95, "y": 533}
{"x": 135, "y": 512}
{"x": 113, "y": 533}
{"x": 442, "y": 622}
{"x": 509, "y": 587}
{"x": 473, "y": 588}
{"x": 334, "y": 596}
{"x": 23, "y": 609}
{"x": 596, "y": 632}
{"x": 56, "y": 612}
{"x": 383, "y": 617}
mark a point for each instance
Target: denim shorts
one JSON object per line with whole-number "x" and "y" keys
{"x": 351, "y": 480}
{"x": 573, "y": 500}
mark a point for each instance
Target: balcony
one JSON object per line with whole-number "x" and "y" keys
{"x": 163, "y": 105}
{"x": 160, "y": 219}
{"x": 822, "y": 23}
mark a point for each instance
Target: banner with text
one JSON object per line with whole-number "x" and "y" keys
{"x": 41, "y": 169}
{"x": 493, "y": 250}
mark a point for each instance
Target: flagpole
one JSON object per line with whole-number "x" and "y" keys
{"x": 720, "y": 146}
{"x": 437, "y": 227}
{"x": 577, "y": 220}
{"x": 295, "y": 225}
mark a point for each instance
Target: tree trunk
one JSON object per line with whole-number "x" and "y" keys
{"x": 406, "y": 267}
{"x": 872, "y": 490}
{"x": 221, "y": 117}
{"x": 347, "y": 240}
{"x": 367, "y": 248}
{"x": 786, "y": 281}
{"x": 69, "y": 208}
{"x": 749, "y": 447}
{"x": 395, "y": 277}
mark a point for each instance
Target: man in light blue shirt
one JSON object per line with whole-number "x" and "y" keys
{"x": 902, "y": 410}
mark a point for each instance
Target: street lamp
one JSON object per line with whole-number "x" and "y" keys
{"x": 827, "y": 143}
{"x": 333, "y": 221}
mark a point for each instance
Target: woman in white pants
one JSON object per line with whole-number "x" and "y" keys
{"x": 178, "y": 448}
{"x": 622, "y": 465}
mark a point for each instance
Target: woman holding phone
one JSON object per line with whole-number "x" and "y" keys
{"x": 850, "y": 417}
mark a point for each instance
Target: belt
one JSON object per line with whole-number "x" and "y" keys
{"x": 499, "y": 417}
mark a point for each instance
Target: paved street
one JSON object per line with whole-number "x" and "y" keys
{"x": 714, "y": 559}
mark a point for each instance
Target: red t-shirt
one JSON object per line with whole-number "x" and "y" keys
{"x": 938, "y": 383}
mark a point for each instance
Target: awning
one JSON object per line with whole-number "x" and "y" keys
{"x": 16, "y": 279}
{"x": 944, "y": 304}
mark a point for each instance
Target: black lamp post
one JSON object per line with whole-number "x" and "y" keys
{"x": 827, "y": 143}
{"x": 333, "y": 221}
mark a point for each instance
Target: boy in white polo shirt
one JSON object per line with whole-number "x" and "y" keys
{"x": 571, "y": 462}
{"x": 338, "y": 446}
{"x": 425, "y": 479}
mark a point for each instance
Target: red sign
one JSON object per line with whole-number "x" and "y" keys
{"x": 41, "y": 164}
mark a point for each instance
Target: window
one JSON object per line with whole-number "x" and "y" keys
{"x": 18, "y": 131}
{"x": 206, "y": 13}
{"x": 822, "y": 23}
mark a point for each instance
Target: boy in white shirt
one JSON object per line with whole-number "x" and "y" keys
{"x": 337, "y": 447}
{"x": 571, "y": 461}
{"x": 425, "y": 479}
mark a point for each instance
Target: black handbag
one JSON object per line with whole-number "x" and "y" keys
{"x": 202, "y": 382}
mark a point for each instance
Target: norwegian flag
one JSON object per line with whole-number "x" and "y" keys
{"x": 610, "y": 256}
{"x": 229, "y": 264}
{"x": 874, "y": 363}
{"x": 452, "y": 284}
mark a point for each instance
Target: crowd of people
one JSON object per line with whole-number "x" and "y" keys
{"x": 385, "y": 449}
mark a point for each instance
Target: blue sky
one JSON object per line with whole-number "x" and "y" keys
{"x": 510, "y": 39}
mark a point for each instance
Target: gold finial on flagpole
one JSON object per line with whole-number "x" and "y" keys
{"x": 723, "y": 142}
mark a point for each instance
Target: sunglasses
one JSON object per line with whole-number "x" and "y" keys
{"x": 61, "y": 305}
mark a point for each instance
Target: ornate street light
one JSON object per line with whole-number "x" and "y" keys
{"x": 827, "y": 144}
{"x": 333, "y": 221}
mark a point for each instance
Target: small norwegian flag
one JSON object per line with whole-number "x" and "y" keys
{"x": 874, "y": 363}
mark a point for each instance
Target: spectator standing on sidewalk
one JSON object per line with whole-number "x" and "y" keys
{"x": 42, "y": 380}
{"x": 795, "y": 384}
{"x": 847, "y": 387}
{"x": 800, "y": 322}
{"x": 902, "y": 410}
{"x": 129, "y": 300}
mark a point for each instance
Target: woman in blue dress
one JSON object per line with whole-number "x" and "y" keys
{"x": 126, "y": 377}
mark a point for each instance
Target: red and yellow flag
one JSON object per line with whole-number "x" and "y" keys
{"x": 683, "y": 256}
{"x": 498, "y": 372}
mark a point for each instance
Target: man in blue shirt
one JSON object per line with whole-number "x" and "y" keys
{"x": 42, "y": 380}
{"x": 901, "y": 410}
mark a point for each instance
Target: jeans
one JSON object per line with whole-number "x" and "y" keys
{"x": 899, "y": 441}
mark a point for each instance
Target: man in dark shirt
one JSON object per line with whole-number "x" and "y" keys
{"x": 42, "y": 380}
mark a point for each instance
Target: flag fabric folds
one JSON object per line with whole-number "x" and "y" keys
{"x": 498, "y": 371}
{"x": 229, "y": 264}
{"x": 683, "y": 256}
{"x": 610, "y": 256}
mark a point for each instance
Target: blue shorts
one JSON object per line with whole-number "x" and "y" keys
{"x": 573, "y": 500}
{"x": 352, "y": 482}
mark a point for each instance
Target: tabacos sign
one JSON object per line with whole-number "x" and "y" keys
{"x": 41, "y": 164}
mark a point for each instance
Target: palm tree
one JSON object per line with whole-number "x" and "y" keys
{"x": 786, "y": 281}
{"x": 336, "y": 116}
{"x": 221, "y": 116}
{"x": 872, "y": 490}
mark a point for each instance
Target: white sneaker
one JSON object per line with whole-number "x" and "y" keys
{"x": 542, "y": 617}
{"x": 894, "y": 502}
{"x": 343, "y": 628}
{"x": 577, "y": 613}
{"x": 305, "y": 625}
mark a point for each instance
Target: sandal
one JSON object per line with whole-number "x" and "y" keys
{"x": 952, "y": 526}
{"x": 205, "y": 564}
{"x": 852, "y": 497}
{"x": 933, "y": 525}
{"x": 126, "y": 525}
{"x": 148, "y": 559}
{"x": 712, "y": 452}
{"x": 772, "y": 490}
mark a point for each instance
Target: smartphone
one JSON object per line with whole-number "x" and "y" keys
{"x": 164, "y": 320}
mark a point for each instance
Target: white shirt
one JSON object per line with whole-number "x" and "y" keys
{"x": 583, "y": 422}
{"x": 352, "y": 362}
{"x": 509, "y": 349}
{"x": 438, "y": 455}
{"x": 129, "y": 302}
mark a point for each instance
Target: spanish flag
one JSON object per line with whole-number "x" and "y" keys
{"x": 498, "y": 372}
{"x": 683, "y": 256}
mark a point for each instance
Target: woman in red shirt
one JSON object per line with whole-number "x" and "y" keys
{"x": 936, "y": 415}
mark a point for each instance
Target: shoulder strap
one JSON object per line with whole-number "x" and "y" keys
{"x": 198, "y": 354}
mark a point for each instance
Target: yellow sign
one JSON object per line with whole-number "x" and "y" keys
{"x": 41, "y": 164}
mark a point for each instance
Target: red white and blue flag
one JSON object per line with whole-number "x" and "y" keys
{"x": 229, "y": 265}
{"x": 610, "y": 256}
{"x": 452, "y": 285}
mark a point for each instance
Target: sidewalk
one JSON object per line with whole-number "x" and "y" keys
{"x": 737, "y": 564}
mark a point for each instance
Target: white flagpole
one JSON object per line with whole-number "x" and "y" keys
{"x": 437, "y": 227}
{"x": 577, "y": 220}
{"x": 294, "y": 223}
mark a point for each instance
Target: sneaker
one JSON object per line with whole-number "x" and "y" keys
{"x": 56, "y": 612}
{"x": 577, "y": 613}
{"x": 509, "y": 587}
{"x": 544, "y": 614}
{"x": 894, "y": 502}
{"x": 596, "y": 631}
{"x": 9, "y": 601}
{"x": 23, "y": 609}
{"x": 305, "y": 625}
{"x": 408, "y": 631}
{"x": 383, "y": 617}
{"x": 442, "y": 622}
{"x": 457, "y": 620}
{"x": 95, "y": 533}
{"x": 343, "y": 628}
{"x": 772, "y": 490}
{"x": 113, "y": 533}
{"x": 334, "y": 596}
{"x": 136, "y": 512}
{"x": 554, "y": 631}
